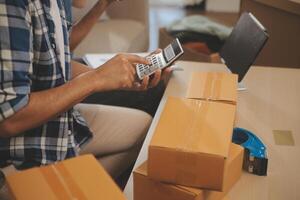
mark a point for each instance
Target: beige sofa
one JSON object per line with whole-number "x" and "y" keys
{"x": 126, "y": 30}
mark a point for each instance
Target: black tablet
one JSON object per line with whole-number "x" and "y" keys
{"x": 243, "y": 45}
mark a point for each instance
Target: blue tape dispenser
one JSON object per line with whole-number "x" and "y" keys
{"x": 255, "y": 157}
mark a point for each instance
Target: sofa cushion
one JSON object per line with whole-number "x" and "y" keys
{"x": 113, "y": 36}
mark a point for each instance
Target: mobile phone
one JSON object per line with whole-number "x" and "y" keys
{"x": 161, "y": 60}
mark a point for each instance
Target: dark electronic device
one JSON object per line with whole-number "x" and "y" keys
{"x": 255, "y": 157}
{"x": 243, "y": 45}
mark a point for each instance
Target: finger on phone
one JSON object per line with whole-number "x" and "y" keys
{"x": 166, "y": 72}
{"x": 132, "y": 69}
{"x": 137, "y": 59}
{"x": 144, "y": 84}
{"x": 156, "y": 79}
{"x": 155, "y": 52}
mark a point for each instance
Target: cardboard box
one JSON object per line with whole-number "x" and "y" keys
{"x": 281, "y": 18}
{"x": 148, "y": 189}
{"x": 226, "y": 198}
{"x": 191, "y": 143}
{"x": 78, "y": 178}
{"x": 189, "y": 54}
{"x": 214, "y": 86}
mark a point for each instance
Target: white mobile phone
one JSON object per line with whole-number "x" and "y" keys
{"x": 161, "y": 60}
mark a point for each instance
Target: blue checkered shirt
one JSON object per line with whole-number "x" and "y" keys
{"x": 29, "y": 63}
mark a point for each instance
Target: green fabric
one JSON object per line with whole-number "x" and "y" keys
{"x": 201, "y": 24}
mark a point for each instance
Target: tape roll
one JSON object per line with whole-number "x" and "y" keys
{"x": 255, "y": 157}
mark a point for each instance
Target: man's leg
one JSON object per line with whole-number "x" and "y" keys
{"x": 118, "y": 135}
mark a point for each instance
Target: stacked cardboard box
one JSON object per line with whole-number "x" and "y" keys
{"x": 191, "y": 147}
{"x": 78, "y": 178}
{"x": 191, "y": 143}
{"x": 148, "y": 189}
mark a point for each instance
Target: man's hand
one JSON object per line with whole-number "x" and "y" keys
{"x": 108, "y": 2}
{"x": 160, "y": 75}
{"x": 120, "y": 73}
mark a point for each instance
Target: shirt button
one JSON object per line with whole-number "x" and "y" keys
{"x": 53, "y": 45}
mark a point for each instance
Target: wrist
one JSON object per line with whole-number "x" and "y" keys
{"x": 89, "y": 81}
{"x": 104, "y": 3}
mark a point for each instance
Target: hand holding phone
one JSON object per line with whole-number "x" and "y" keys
{"x": 160, "y": 60}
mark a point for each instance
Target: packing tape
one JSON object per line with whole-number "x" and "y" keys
{"x": 198, "y": 106}
{"x": 217, "y": 82}
{"x": 212, "y": 86}
{"x": 207, "y": 86}
{"x": 61, "y": 182}
{"x": 182, "y": 161}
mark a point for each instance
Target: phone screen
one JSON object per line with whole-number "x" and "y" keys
{"x": 171, "y": 51}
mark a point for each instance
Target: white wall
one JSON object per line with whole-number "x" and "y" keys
{"x": 223, "y": 5}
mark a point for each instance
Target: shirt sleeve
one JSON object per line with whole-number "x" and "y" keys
{"x": 16, "y": 56}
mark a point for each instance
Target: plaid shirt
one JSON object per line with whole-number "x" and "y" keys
{"x": 29, "y": 63}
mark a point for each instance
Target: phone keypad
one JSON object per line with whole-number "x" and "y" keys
{"x": 145, "y": 70}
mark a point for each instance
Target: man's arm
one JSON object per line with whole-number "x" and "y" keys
{"x": 83, "y": 27}
{"x": 79, "y": 3}
{"x": 118, "y": 73}
{"x": 44, "y": 105}
{"x": 78, "y": 68}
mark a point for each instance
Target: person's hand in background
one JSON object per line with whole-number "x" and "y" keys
{"x": 81, "y": 28}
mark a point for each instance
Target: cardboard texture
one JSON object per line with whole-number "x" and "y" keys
{"x": 78, "y": 178}
{"x": 148, "y": 189}
{"x": 191, "y": 143}
{"x": 215, "y": 86}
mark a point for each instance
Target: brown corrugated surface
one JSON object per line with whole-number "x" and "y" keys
{"x": 148, "y": 189}
{"x": 77, "y": 178}
{"x": 191, "y": 143}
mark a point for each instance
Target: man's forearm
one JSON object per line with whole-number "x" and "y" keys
{"x": 83, "y": 27}
{"x": 78, "y": 69}
{"x": 117, "y": 73}
{"x": 48, "y": 104}
{"x": 79, "y": 3}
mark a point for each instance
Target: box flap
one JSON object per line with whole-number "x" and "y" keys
{"x": 216, "y": 86}
{"x": 195, "y": 126}
{"x": 142, "y": 170}
{"x": 77, "y": 178}
{"x": 232, "y": 175}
